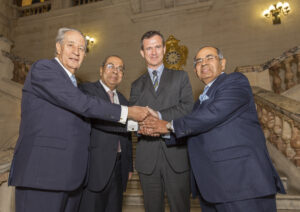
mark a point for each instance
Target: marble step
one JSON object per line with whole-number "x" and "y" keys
{"x": 284, "y": 201}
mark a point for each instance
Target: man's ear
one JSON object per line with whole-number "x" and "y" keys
{"x": 58, "y": 48}
{"x": 101, "y": 71}
{"x": 142, "y": 53}
{"x": 223, "y": 64}
{"x": 164, "y": 49}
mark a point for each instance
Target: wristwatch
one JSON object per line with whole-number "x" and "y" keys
{"x": 169, "y": 126}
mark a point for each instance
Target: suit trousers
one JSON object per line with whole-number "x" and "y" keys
{"x": 36, "y": 200}
{"x": 261, "y": 204}
{"x": 107, "y": 200}
{"x": 165, "y": 179}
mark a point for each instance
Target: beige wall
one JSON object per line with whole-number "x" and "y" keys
{"x": 236, "y": 26}
{"x": 6, "y": 13}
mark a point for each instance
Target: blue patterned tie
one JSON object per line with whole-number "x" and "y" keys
{"x": 155, "y": 79}
{"x": 203, "y": 96}
{"x": 73, "y": 79}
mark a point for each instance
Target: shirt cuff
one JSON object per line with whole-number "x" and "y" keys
{"x": 124, "y": 114}
{"x": 159, "y": 115}
{"x": 172, "y": 127}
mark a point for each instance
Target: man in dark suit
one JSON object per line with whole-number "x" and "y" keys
{"x": 110, "y": 163}
{"x": 230, "y": 162}
{"x": 162, "y": 169}
{"x": 51, "y": 154}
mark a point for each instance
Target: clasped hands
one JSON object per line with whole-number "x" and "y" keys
{"x": 149, "y": 122}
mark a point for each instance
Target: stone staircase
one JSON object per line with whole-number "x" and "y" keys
{"x": 133, "y": 196}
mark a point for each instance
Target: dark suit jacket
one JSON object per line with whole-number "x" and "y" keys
{"x": 226, "y": 144}
{"x": 173, "y": 99}
{"x": 52, "y": 149}
{"x": 104, "y": 143}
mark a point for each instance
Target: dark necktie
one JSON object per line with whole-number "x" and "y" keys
{"x": 155, "y": 80}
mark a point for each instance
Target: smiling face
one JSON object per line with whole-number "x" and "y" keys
{"x": 111, "y": 74}
{"x": 211, "y": 66}
{"x": 153, "y": 51}
{"x": 71, "y": 50}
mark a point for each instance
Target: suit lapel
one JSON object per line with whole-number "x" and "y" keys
{"x": 163, "y": 81}
{"x": 61, "y": 70}
{"x": 215, "y": 84}
{"x": 101, "y": 91}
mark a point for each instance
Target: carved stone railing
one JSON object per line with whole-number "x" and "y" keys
{"x": 280, "y": 119}
{"x": 81, "y": 2}
{"x": 34, "y": 9}
{"x": 21, "y": 67}
{"x": 284, "y": 71}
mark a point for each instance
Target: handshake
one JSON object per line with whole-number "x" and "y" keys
{"x": 148, "y": 120}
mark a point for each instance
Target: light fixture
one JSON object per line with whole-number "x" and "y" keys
{"x": 275, "y": 10}
{"x": 90, "y": 42}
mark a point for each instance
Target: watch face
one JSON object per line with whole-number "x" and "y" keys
{"x": 172, "y": 57}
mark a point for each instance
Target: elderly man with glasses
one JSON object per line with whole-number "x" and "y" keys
{"x": 230, "y": 162}
{"x": 110, "y": 164}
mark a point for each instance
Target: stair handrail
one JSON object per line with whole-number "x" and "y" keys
{"x": 284, "y": 70}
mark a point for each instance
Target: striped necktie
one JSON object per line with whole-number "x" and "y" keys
{"x": 155, "y": 80}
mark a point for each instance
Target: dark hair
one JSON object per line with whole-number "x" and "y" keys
{"x": 107, "y": 57}
{"x": 219, "y": 52}
{"x": 150, "y": 34}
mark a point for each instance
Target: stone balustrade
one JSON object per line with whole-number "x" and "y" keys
{"x": 284, "y": 71}
{"x": 280, "y": 119}
{"x": 34, "y": 9}
{"x": 21, "y": 67}
{"x": 81, "y": 2}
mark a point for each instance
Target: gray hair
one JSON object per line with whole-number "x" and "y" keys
{"x": 61, "y": 35}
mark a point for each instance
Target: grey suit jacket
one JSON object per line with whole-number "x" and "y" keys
{"x": 173, "y": 99}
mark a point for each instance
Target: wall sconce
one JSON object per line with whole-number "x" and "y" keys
{"x": 275, "y": 10}
{"x": 90, "y": 42}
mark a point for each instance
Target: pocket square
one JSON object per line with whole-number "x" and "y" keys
{"x": 203, "y": 97}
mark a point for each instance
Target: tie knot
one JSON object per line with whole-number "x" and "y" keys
{"x": 111, "y": 95}
{"x": 154, "y": 73}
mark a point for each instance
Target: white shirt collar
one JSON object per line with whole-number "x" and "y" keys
{"x": 66, "y": 70}
{"x": 107, "y": 88}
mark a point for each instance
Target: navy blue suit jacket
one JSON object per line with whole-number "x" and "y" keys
{"x": 52, "y": 149}
{"x": 226, "y": 144}
{"x": 105, "y": 136}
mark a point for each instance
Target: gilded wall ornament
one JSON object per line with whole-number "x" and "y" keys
{"x": 176, "y": 55}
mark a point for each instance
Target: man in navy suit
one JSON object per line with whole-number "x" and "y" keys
{"x": 51, "y": 154}
{"x": 110, "y": 164}
{"x": 231, "y": 166}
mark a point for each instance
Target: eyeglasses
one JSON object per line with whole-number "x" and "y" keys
{"x": 111, "y": 67}
{"x": 208, "y": 58}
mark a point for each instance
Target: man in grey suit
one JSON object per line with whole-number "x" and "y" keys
{"x": 162, "y": 169}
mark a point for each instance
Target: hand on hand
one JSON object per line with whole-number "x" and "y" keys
{"x": 152, "y": 126}
{"x": 138, "y": 113}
